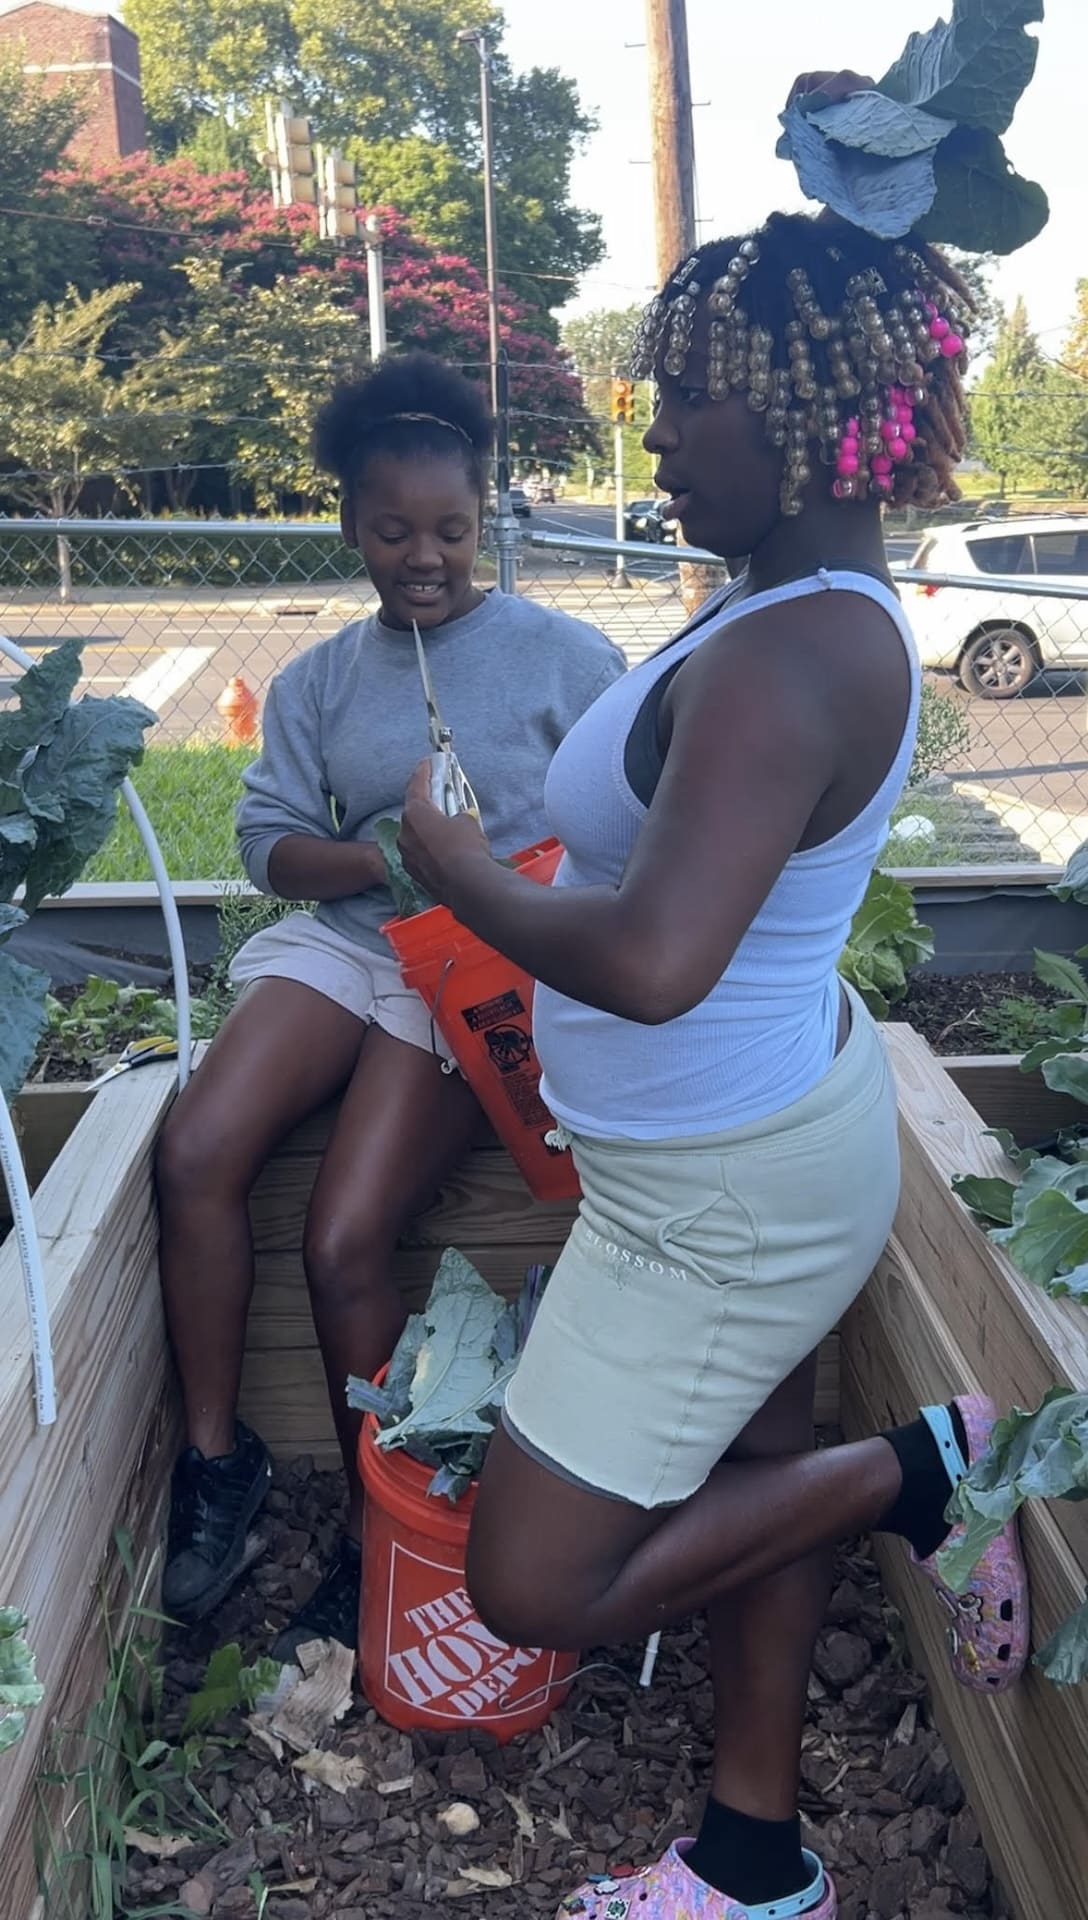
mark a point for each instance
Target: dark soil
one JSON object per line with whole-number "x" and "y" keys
{"x": 615, "y": 1777}
{"x": 958, "y": 1013}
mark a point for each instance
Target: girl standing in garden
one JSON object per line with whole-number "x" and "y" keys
{"x": 728, "y": 1102}
{"x": 323, "y": 1011}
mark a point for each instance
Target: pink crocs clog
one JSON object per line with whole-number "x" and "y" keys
{"x": 989, "y": 1627}
{"x": 668, "y": 1891}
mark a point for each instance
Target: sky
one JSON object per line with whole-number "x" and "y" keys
{"x": 744, "y": 56}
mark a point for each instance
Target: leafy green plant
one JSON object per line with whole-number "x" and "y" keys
{"x": 886, "y": 940}
{"x": 1041, "y": 1217}
{"x": 61, "y": 766}
{"x": 444, "y": 1386}
{"x": 944, "y": 733}
{"x": 1032, "y": 1456}
{"x": 19, "y": 1685}
{"x": 1015, "y": 1024}
{"x": 102, "y": 1020}
{"x": 227, "y": 1686}
{"x": 922, "y": 150}
{"x": 408, "y": 899}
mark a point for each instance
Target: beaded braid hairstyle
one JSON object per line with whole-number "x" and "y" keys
{"x": 844, "y": 342}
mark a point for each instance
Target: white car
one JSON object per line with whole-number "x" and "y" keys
{"x": 997, "y": 642}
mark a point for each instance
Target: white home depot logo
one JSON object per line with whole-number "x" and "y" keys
{"x": 442, "y": 1660}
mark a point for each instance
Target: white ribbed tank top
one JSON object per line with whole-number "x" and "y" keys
{"x": 766, "y": 1034}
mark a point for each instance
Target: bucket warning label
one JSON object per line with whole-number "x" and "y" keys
{"x": 440, "y": 1658}
{"x": 488, "y": 1013}
{"x": 523, "y": 1093}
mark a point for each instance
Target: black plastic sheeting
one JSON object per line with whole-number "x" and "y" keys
{"x": 119, "y": 943}
{"x": 993, "y": 930}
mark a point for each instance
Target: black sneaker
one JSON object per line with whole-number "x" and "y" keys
{"x": 332, "y": 1611}
{"x": 211, "y": 1505}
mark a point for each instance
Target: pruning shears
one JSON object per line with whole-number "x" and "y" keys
{"x": 140, "y": 1053}
{"x": 450, "y": 790}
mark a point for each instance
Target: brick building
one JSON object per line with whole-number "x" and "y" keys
{"x": 78, "y": 41}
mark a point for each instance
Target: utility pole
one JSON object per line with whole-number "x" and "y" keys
{"x": 375, "y": 285}
{"x": 672, "y": 139}
{"x": 673, "y": 167}
{"x": 506, "y": 531}
{"x": 476, "y": 37}
{"x": 623, "y": 415}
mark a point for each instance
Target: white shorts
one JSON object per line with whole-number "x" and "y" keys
{"x": 700, "y": 1272}
{"x": 366, "y": 984}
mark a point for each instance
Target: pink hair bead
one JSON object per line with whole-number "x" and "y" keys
{"x": 889, "y": 429}
{"x": 847, "y": 464}
{"x": 880, "y": 464}
{"x": 853, "y": 425}
{"x": 951, "y": 346}
{"x": 897, "y": 449}
{"x": 908, "y": 431}
{"x": 905, "y": 412}
{"x": 939, "y": 327}
{"x": 849, "y": 443}
{"x": 883, "y": 482}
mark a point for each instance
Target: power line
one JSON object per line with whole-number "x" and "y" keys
{"x": 210, "y": 236}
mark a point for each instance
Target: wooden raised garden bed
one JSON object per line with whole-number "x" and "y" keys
{"x": 66, "y": 1490}
{"x": 945, "y": 1313}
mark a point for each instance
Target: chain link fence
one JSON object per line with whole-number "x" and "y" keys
{"x": 174, "y": 612}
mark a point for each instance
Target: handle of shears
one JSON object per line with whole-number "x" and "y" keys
{"x": 450, "y": 791}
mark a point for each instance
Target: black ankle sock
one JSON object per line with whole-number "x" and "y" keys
{"x": 918, "y": 1512}
{"x": 751, "y": 1860}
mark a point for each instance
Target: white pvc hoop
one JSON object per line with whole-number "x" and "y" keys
{"x": 11, "y": 1160}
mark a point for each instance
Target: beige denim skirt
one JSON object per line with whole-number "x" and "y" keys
{"x": 699, "y": 1274}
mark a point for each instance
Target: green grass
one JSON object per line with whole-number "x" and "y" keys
{"x": 190, "y": 793}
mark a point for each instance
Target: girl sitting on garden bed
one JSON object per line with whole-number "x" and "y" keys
{"x": 324, "y": 1011}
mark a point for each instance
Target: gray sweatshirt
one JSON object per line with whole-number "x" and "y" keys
{"x": 345, "y": 725}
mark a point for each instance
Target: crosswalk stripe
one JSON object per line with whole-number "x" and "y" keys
{"x": 165, "y": 677}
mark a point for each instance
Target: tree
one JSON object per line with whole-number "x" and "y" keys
{"x": 599, "y": 343}
{"x": 543, "y": 242}
{"x": 39, "y": 254}
{"x": 236, "y": 377}
{"x": 147, "y": 217}
{"x": 1067, "y": 413}
{"x": 240, "y": 387}
{"x": 61, "y": 418}
{"x": 59, "y": 411}
{"x": 977, "y": 270}
{"x": 388, "y": 83}
{"x": 1008, "y": 406}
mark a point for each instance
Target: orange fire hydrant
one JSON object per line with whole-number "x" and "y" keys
{"x": 237, "y": 708}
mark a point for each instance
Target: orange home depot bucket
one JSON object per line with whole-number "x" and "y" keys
{"x": 483, "y": 1004}
{"x": 425, "y": 1657}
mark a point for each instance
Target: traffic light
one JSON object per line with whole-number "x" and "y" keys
{"x": 290, "y": 155}
{"x": 337, "y": 200}
{"x": 623, "y": 403}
